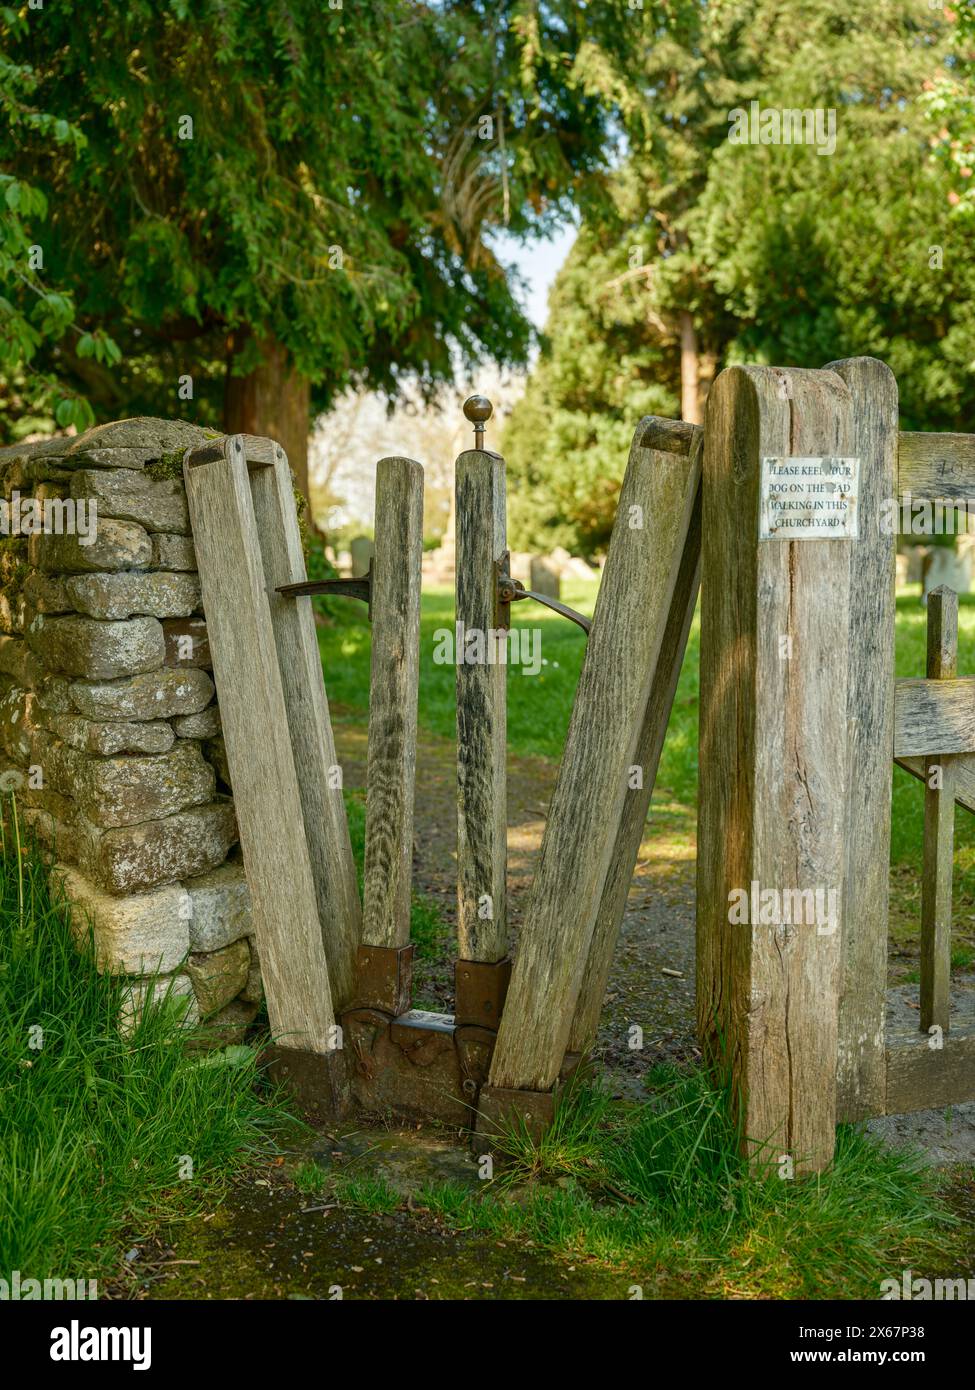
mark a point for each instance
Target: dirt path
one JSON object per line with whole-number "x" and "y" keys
{"x": 657, "y": 933}
{"x": 271, "y": 1240}
{"x": 658, "y": 927}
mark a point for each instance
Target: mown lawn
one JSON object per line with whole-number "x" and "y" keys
{"x": 539, "y": 707}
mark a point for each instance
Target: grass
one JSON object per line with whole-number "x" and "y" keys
{"x": 101, "y": 1137}
{"x": 539, "y": 708}
{"x": 659, "y": 1189}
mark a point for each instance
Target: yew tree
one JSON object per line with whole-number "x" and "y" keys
{"x": 253, "y": 207}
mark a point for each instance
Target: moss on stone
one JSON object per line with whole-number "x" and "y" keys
{"x": 169, "y": 466}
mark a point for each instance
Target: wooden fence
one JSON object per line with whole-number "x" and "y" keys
{"x": 779, "y": 508}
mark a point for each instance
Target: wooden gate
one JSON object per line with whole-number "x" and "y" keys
{"x": 787, "y": 502}
{"x": 800, "y": 722}
{"x": 338, "y": 982}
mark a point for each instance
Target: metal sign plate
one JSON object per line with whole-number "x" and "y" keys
{"x": 805, "y": 498}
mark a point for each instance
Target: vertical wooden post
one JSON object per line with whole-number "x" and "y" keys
{"x": 861, "y": 1063}
{"x": 635, "y": 597}
{"x": 773, "y": 750}
{"x": 482, "y": 855}
{"x": 259, "y": 752}
{"x": 654, "y": 437}
{"x": 300, "y": 667}
{"x": 385, "y": 956}
{"x": 939, "y": 827}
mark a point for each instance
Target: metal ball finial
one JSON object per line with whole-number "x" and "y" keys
{"x": 478, "y": 410}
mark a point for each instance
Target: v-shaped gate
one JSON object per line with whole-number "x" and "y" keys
{"x": 339, "y": 993}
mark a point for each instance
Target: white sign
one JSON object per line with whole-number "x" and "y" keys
{"x": 809, "y": 497}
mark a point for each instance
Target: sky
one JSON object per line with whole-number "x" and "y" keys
{"x": 538, "y": 263}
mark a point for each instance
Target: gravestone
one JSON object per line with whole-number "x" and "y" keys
{"x": 951, "y": 568}
{"x": 916, "y": 556}
{"x": 544, "y": 579}
{"x": 362, "y": 550}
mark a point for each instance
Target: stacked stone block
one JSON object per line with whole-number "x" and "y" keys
{"x": 109, "y": 724}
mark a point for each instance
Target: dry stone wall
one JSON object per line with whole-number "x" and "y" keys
{"x": 109, "y": 723}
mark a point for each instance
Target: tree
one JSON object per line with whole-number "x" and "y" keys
{"x": 950, "y": 104}
{"x": 772, "y": 252}
{"x": 36, "y": 314}
{"x": 267, "y": 204}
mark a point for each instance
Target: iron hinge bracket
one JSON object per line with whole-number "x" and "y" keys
{"x": 512, "y": 591}
{"x": 359, "y": 587}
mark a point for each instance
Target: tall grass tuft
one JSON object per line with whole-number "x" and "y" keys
{"x": 100, "y": 1136}
{"x": 661, "y": 1188}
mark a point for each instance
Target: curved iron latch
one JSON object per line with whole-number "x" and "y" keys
{"x": 360, "y": 587}
{"x": 512, "y": 590}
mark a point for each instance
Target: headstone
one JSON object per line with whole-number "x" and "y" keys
{"x": 965, "y": 547}
{"x": 544, "y": 579}
{"x": 916, "y": 556}
{"x": 949, "y": 567}
{"x": 362, "y": 550}
{"x": 520, "y": 566}
{"x": 902, "y": 564}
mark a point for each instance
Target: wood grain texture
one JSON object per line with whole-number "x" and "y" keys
{"x": 309, "y": 722}
{"x": 939, "y": 826}
{"x": 773, "y": 774}
{"x": 653, "y": 437}
{"x": 932, "y": 466}
{"x": 936, "y": 872}
{"x": 635, "y": 596}
{"x": 934, "y": 717}
{"x": 923, "y": 1078}
{"x": 860, "y": 1077}
{"x": 391, "y": 769}
{"x": 482, "y": 812}
{"x": 267, "y": 799}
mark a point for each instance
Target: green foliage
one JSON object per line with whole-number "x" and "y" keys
{"x": 759, "y": 253}
{"x": 92, "y": 1125}
{"x": 204, "y": 178}
{"x": 950, "y": 103}
{"x": 662, "y": 1189}
{"x": 33, "y": 314}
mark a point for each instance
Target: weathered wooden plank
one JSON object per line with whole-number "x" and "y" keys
{"x": 920, "y": 1077}
{"x": 267, "y": 798}
{"x": 860, "y": 1070}
{"x": 934, "y": 717}
{"x": 773, "y": 790}
{"x": 964, "y": 767}
{"x": 391, "y": 770}
{"x": 315, "y": 760}
{"x": 936, "y": 872}
{"x": 482, "y": 854}
{"x": 653, "y": 436}
{"x": 635, "y": 596}
{"x": 939, "y": 826}
{"x": 942, "y": 634}
{"x": 931, "y": 466}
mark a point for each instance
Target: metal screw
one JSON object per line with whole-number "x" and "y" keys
{"x": 478, "y": 410}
